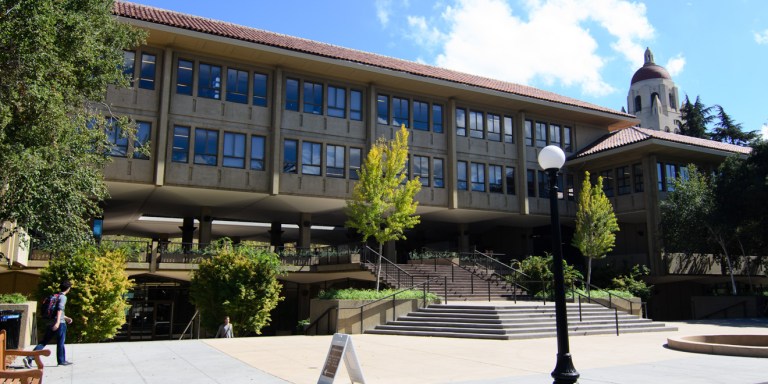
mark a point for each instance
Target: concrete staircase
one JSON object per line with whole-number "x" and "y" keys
{"x": 508, "y": 322}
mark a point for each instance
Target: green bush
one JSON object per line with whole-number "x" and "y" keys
{"x": 633, "y": 283}
{"x": 12, "y": 298}
{"x": 371, "y": 294}
{"x": 602, "y": 294}
{"x": 540, "y": 278}
{"x": 97, "y": 302}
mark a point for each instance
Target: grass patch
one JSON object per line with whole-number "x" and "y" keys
{"x": 371, "y": 294}
{"x": 602, "y": 294}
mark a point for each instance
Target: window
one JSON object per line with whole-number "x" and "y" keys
{"x": 313, "y": 98}
{"x": 420, "y": 116}
{"x": 554, "y": 135}
{"x": 355, "y": 159}
{"x": 355, "y": 105}
{"x": 510, "y": 176}
{"x": 206, "y": 146}
{"x": 607, "y": 182}
{"x": 559, "y": 181}
{"x": 399, "y": 111}
{"x": 637, "y": 174}
{"x": 259, "y": 89}
{"x": 567, "y": 141}
{"x": 529, "y": 133}
{"x": 509, "y": 132}
{"x": 143, "y": 132}
{"x": 257, "y": 152}
{"x": 290, "y": 148}
{"x": 337, "y": 103}
{"x": 684, "y": 174}
{"x": 334, "y": 161}
{"x": 570, "y": 187}
{"x": 311, "y": 158}
{"x": 478, "y": 177}
{"x": 623, "y": 180}
{"x": 209, "y": 81}
{"x": 494, "y": 179}
{"x": 494, "y": 127}
{"x": 638, "y": 103}
{"x": 541, "y": 134}
{"x": 421, "y": 169}
{"x": 234, "y": 150}
{"x": 382, "y": 109}
{"x": 530, "y": 179}
{"x": 476, "y": 128}
{"x": 237, "y": 86}
{"x": 672, "y": 103}
{"x": 461, "y": 122}
{"x": 670, "y": 171}
{"x": 147, "y": 73}
{"x": 461, "y": 175}
{"x": 438, "y": 178}
{"x": 180, "y": 144}
{"x": 543, "y": 184}
{"x": 292, "y": 95}
{"x": 437, "y": 118}
{"x": 184, "y": 76}
{"x": 117, "y": 138}
{"x": 129, "y": 65}
{"x": 654, "y": 96}
{"x": 662, "y": 185}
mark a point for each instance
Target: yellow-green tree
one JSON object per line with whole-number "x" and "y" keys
{"x": 382, "y": 204}
{"x": 595, "y": 223}
{"x": 97, "y": 302}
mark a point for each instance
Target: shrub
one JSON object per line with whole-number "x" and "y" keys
{"x": 372, "y": 294}
{"x": 540, "y": 277}
{"x": 634, "y": 283}
{"x": 12, "y": 298}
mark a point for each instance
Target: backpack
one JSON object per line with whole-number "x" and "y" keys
{"x": 51, "y": 306}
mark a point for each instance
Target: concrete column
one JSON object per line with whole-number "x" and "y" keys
{"x": 370, "y": 126}
{"x": 153, "y": 255}
{"x": 463, "y": 238}
{"x": 276, "y": 234}
{"x": 187, "y": 233}
{"x": 305, "y": 222}
{"x": 522, "y": 166}
{"x": 653, "y": 215}
{"x": 450, "y": 158}
{"x": 275, "y": 142}
{"x": 206, "y": 228}
{"x": 161, "y": 136}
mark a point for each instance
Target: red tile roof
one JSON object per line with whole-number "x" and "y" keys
{"x": 632, "y": 135}
{"x": 258, "y": 36}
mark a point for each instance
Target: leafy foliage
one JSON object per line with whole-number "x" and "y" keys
{"x": 634, "y": 283}
{"x": 12, "y": 298}
{"x": 595, "y": 223}
{"x": 96, "y": 303}
{"x": 239, "y": 282}
{"x": 57, "y": 59}
{"x": 371, "y": 294}
{"x": 540, "y": 276}
{"x": 382, "y": 204}
{"x": 695, "y": 118}
{"x": 728, "y": 131}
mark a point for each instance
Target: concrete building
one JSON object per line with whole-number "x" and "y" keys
{"x": 255, "y": 135}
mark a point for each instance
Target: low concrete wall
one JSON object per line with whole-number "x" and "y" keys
{"x": 349, "y": 316}
{"x": 737, "y": 306}
{"x": 632, "y": 306}
{"x": 28, "y": 314}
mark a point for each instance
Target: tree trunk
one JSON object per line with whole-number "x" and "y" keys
{"x": 589, "y": 273}
{"x": 378, "y": 267}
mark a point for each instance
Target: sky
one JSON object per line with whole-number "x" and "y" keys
{"x": 586, "y": 49}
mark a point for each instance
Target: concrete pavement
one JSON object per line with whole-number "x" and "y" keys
{"x": 630, "y": 358}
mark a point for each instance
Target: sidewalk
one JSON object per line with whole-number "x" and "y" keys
{"x": 630, "y": 358}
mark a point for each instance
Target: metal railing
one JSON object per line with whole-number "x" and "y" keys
{"x": 390, "y": 272}
{"x": 615, "y": 310}
{"x": 189, "y": 326}
{"x": 611, "y": 298}
{"x": 325, "y": 315}
{"x": 316, "y": 256}
{"x": 424, "y": 286}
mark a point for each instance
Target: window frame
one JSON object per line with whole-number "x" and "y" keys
{"x": 187, "y": 87}
{"x": 355, "y": 162}
{"x": 509, "y": 129}
{"x": 421, "y": 169}
{"x": 493, "y": 126}
{"x": 494, "y": 174}
{"x": 183, "y": 144}
{"x": 528, "y": 127}
{"x": 234, "y": 91}
{"x": 292, "y": 94}
{"x": 623, "y": 180}
{"x": 462, "y": 182}
{"x": 637, "y": 178}
{"x": 147, "y": 71}
{"x": 421, "y": 111}
{"x": 382, "y": 109}
{"x": 206, "y": 149}
{"x": 608, "y": 181}
{"x": 311, "y": 158}
{"x": 401, "y": 111}
{"x": 260, "y": 89}
{"x": 461, "y": 123}
{"x": 290, "y": 163}
{"x": 530, "y": 181}
{"x": 211, "y": 90}
{"x": 258, "y": 152}
{"x": 477, "y": 177}
{"x": 332, "y": 159}
{"x": 337, "y": 101}
{"x": 509, "y": 179}
{"x": 355, "y": 105}
{"x": 438, "y": 172}
{"x": 312, "y": 98}
{"x": 541, "y": 129}
{"x": 476, "y": 118}
{"x": 233, "y": 150}
{"x": 437, "y": 118}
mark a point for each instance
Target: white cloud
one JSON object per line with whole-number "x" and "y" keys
{"x": 764, "y": 129}
{"x": 675, "y": 65}
{"x": 383, "y": 9}
{"x": 422, "y": 34}
{"x": 761, "y": 37}
{"x": 548, "y": 41}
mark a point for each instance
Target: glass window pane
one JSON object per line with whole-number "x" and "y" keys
{"x": 237, "y": 86}
{"x": 461, "y": 175}
{"x": 382, "y": 109}
{"x": 437, "y": 174}
{"x": 510, "y": 179}
{"x": 313, "y": 98}
{"x": 143, "y": 132}
{"x": 257, "y": 153}
{"x": 209, "y": 81}
{"x": 494, "y": 179}
{"x": 476, "y": 126}
{"x": 260, "y": 89}
{"x": 292, "y": 95}
{"x": 509, "y": 133}
{"x": 355, "y": 160}
{"x": 206, "y": 146}
{"x": 554, "y": 134}
{"x": 310, "y": 158}
{"x": 147, "y": 79}
{"x": 129, "y": 64}
{"x": 180, "y": 144}
{"x": 420, "y": 115}
{"x": 400, "y": 112}
{"x": 356, "y": 105}
{"x": 541, "y": 134}
{"x": 493, "y": 123}
{"x": 184, "y": 76}
{"x": 337, "y": 101}
{"x": 478, "y": 177}
{"x": 437, "y": 118}
{"x": 567, "y": 146}
{"x": 234, "y": 150}
{"x": 529, "y": 133}
{"x": 334, "y": 161}
{"x": 637, "y": 173}
{"x": 290, "y": 156}
{"x": 461, "y": 122}
{"x": 530, "y": 180}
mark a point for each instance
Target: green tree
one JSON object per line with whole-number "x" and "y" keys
{"x": 695, "y": 117}
{"x": 97, "y": 302}
{"x": 728, "y": 131}
{"x": 382, "y": 204}
{"x": 538, "y": 273}
{"x": 57, "y": 59}
{"x": 689, "y": 208}
{"x": 595, "y": 223}
{"x": 239, "y": 282}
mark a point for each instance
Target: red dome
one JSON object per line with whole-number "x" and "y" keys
{"x": 650, "y": 71}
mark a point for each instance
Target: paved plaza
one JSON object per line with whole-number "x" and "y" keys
{"x": 628, "y": 358}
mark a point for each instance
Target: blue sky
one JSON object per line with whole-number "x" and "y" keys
{"x": 586, "y": 49}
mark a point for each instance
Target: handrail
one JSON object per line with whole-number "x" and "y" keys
{"x": 317, "y": 321}
{"x": 189, "y": 325}
{"x": 589, "y": 300}
{"x": 515, "y": 273}
{"x": 390, "y": 268}
{"x": 742, "y": 303}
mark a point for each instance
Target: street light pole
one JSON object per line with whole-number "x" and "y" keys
{"x": 551, "y": 159}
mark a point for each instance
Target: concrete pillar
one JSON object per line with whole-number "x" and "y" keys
{"x": 305, "y": 223}
{"x": 206, "y": 228}
{"x": 153, "y": 255}
{"x": 276, "y": 149}
{"x": 464, "y": 238}
{"x": 160, "y": 139}
{"x": 276, "y": 234}
{"x": 187, "y": 233}
{"x": 390, "y": 252}
{"x": 450, "y": 162}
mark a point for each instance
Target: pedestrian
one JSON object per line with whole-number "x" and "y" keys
{"x": 225, "y": 330}
{"x": 56, "y": 327}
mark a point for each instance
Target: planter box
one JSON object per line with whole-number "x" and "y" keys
{"x": 636, "y": 308}
{"x": 28, "y": 311}
{"x": 350, "y": 319}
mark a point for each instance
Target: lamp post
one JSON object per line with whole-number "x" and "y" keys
{"x": 551, "y": 159}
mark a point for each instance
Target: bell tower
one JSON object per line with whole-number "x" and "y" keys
{"x": 653, "y": 97}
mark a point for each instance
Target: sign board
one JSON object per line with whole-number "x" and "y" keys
{"x": 341, "y": 349}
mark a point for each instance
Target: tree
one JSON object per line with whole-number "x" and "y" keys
{"x": 689, "y": 208}
{"x": 57, "y": 59}
{"x": 728, "y": 131}
{"x": 595, "y": 223}
{"x": 695, "y": 118}
{"x": 97, "y": 302}
{"x": 239, "y": 282}
{"x": 382, "y": 204}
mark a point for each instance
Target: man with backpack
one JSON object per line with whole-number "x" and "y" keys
{"x": 53, "y": 309}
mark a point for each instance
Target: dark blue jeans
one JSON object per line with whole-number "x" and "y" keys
{"x": 61, "y": 335}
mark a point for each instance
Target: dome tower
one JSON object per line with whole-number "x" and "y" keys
{"x": 653, "y": 97}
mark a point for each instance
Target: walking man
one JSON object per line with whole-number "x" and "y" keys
{"x": 57, "y": 327}
{"x": 225, "y": 330}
